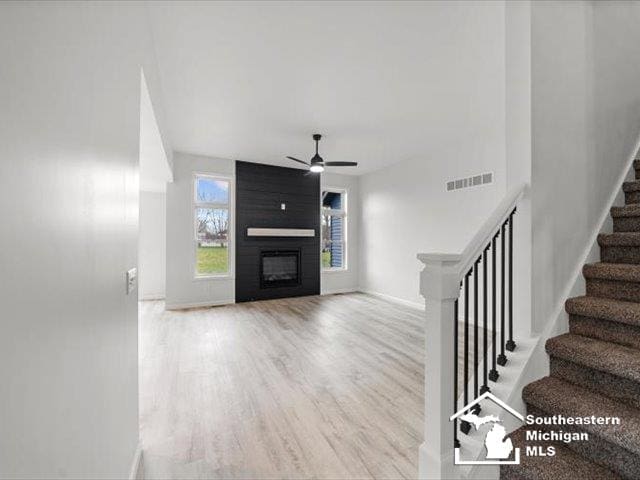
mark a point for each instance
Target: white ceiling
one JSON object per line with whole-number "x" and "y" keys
{"x": 383, "y": 82}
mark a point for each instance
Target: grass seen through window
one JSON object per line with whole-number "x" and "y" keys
{"x": 212, "y": 260}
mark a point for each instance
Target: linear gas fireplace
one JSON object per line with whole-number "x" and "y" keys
{"x": 279, "y": 268}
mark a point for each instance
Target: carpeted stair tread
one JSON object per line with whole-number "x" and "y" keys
{"x": 607, "y": 357}
{"x": 564, "y": 465}
{"x": 627, "y": 272}
{"x": 619, "y": 239}
{"x": 632, "y": 210}
{"x": 558, "y": 397}
{"x": 631, "y": 186}
{"x": 604, "y": 308}
{"x": 595, "y": 368}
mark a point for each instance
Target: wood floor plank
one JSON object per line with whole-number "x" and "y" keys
{"x": 310, "y": 387}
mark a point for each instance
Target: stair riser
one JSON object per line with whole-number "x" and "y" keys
{"x": 615, "y": 332}
{"x": 619, "y": 290}
{"x": 621, "y": 389}
{"x": 620, "y": 254}
{"x": 597, "y": 449}
{"x": 626, "y": 224}
{"x": 631, "y": 197}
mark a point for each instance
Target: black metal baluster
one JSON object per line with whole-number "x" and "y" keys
{"x": 493, "y": 374}
{"x": 464, "y": 425}
{"x": 485, "y": 386}
{"x": 502, "y": 358}
{"x": 511, "y": 345}
{"x": 476, "y": 362}
{"x": 456, "y": 442}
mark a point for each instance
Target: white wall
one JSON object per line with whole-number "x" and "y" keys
{"x": 152, "y": 246}
{"x": 518, "y": 150}
{"x": 345, "y": 280}
{"x": 182, "y": 288}
{"x": 585, "y": 126}
{"x": 69, "y": 146}
{"x": 405, "y": 208}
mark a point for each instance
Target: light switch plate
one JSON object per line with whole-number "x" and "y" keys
{"x": 283, "y": 206}
{"x": 132, "y": 280}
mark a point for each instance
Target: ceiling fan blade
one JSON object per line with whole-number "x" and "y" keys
{"x": 299, "y": 161}
{"x": 340, "y": 164}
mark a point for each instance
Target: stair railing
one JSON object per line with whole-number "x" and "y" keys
{"x": 472, "y": 292}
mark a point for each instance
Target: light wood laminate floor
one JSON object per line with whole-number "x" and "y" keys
{"x": 311, "y": 387}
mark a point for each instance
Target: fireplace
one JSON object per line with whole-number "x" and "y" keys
{"x": 277, "y": 228}
{"x": 279, "y": 268}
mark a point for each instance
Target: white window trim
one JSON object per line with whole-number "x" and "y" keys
{"x": 343, "y": 212}
{"x": 230, "y": 234}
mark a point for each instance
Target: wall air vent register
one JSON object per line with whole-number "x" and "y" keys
{"x": 467, "y": 182}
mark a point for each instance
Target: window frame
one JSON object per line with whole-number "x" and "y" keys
{"x": 229, "y": 206}
{"x": 344, "y": 214}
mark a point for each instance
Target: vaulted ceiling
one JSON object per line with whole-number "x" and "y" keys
{"x": 383, "y": 82}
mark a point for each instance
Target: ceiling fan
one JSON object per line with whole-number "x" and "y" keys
{"x": 317, "y": 163}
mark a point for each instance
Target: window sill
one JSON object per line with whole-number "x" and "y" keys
{"x": 204, "y": 278}
{"x": 335, "y": 270}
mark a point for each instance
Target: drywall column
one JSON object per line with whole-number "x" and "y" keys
{"x": 518, "y": 152}
{"x": 69, "y": 140}
{"x": 440, "y": 287}
{"x": 152, "y": 246}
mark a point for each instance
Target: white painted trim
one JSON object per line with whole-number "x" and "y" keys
{"x": 335, "y": 269}
{"x": 231, "y": 209}
{"x": 137, "y": 466}
{"x": 339, "y": 290}
{"x": 390, "y": 298}
{"x": 182, "y": 306}
{"x": 281, "y": 232}
{"x": 343, "y": 213}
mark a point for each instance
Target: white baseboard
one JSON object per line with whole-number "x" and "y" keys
{"x": 339, "y": 290}
{"x": 137, "y": 466}
{"x": 391, "y": 298}
{"x": 208, "y": 303}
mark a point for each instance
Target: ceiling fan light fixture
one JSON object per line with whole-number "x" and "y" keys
{"x": 317, "y": 163}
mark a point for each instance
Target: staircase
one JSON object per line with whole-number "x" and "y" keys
{"x": 595, "y": 368}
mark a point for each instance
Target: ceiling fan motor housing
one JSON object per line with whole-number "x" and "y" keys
{"x": 316, "y": 158}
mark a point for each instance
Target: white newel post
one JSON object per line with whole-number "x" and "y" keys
{"x": 440, "y": 286}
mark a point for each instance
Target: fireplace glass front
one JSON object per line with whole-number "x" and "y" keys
{"x": 279, "y": 268}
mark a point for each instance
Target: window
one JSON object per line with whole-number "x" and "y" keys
{"x": 212, "y": 223}
{"x": 334, "y": 229}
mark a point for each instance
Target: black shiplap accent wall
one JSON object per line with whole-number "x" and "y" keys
{"x": 260, "y": 190}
